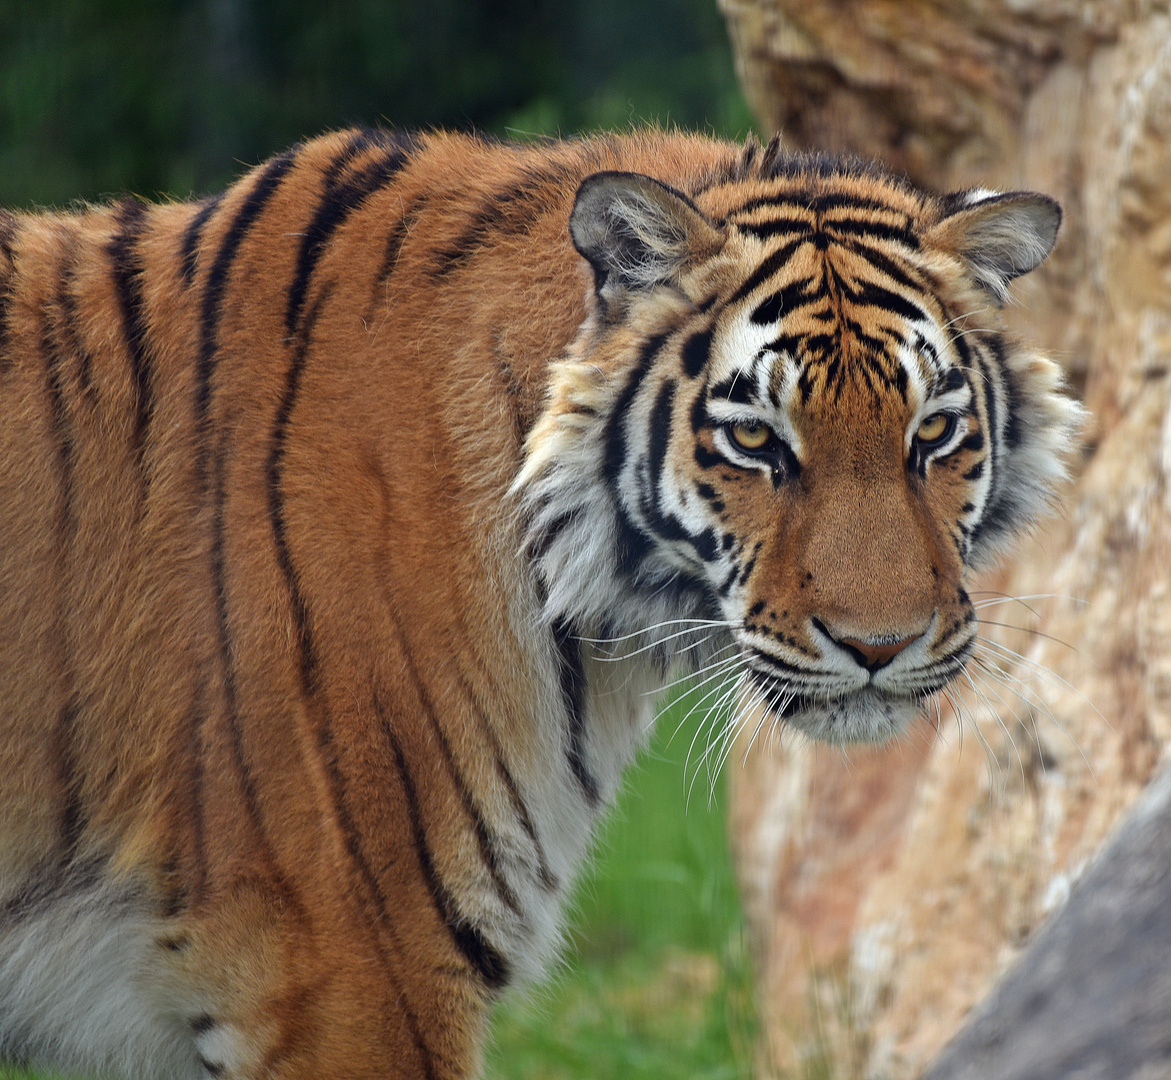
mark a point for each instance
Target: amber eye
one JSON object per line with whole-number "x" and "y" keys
{"x": 750, "y": 435}
{"x": 935, "y": 429}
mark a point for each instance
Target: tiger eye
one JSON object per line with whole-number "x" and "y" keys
{"x": 750, "y": 436}
{"x": 933, "y": 428}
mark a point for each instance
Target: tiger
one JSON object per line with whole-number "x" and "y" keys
{"x": 351, "y": 518}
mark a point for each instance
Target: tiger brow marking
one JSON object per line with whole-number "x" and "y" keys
{"x": 126, "y": 264}
{"x": 773, "y": 227}
{"x": 768, "y": 268}
{"x": 885, "y": 264}
{"x": 66, "y": 764}
{"x": 879, "y": 230}
{"x": 212, "y": 475}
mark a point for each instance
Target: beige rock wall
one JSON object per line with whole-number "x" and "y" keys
{"x": 888, "y": 889}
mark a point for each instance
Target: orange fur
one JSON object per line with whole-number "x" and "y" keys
{"x": 275, "y": 678}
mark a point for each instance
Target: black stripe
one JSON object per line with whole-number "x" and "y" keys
{"x": 615, "y": 434}
{"x": 1012, "y": 394}
{"x": 72, "y": 822}
{"x": 873, "y": 295}
{"x": 879, "y": 230}
{"x": 395, "y": 238}
{"x": 476, "y": 949}
{"x": 953, "y": 380}
{"x": 69, "y": 329}
{"x": 308, "y": 662}
{"x": 766, "y": 270}
{"x": 544, "y": 874}
{"x": 695, "y": 352}
{"x": 126, "y": 264}
{"x": 791, "y": 297}
{"x": 539, "y": 547}
{"x": 339, "y": 200}
{"x": 484, "y": 841}
{"x": 662, "y": 417}
{"x": 7, "y": 284}
{"x": 836, "y": 200}
{"x": 886, "y": 265}
{"x": 217, "y": 278}
{"x": 509, "y": 208}
{"x": 263, "y": 189}
{"x": 817, "y": 201}
{"x": 306, "y": 654}
{"x": 189, "y": 250}
{"x": 975, "y": 360}
{"x": 211, "y": 470}
{"x": 766, "y": 230}
{"x": 572, "y": 675}
{"x": 379, "y": 918}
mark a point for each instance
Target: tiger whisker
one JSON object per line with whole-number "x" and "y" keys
{"x": 1039, "y": 670}
{"x": 658, "y": 643}
{"x": 688, "y": 623}
{"x": 709, "y": 671}
{"x": 1026, "y": 630}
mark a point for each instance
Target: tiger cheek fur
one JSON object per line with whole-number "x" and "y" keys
{"x": 349, "y": 521}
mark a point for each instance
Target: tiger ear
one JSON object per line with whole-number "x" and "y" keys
{"x": 638, "y": 233}
{"x": 1000, "y": 237}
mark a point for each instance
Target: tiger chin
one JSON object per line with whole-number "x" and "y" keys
{"x": 350, "y": 518}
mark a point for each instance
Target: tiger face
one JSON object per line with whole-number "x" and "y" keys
{"x": 794, "y": 408}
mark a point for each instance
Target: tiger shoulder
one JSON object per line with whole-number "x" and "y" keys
{"x": 349, "y": 520}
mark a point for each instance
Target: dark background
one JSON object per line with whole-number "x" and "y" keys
{"x": 176, "y": 97}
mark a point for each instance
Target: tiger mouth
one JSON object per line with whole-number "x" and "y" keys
{"x": 868, "y": 714}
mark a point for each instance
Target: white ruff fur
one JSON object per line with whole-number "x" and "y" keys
{"x": 76, "y": 990}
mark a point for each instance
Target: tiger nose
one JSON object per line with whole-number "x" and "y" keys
{"x": 874, "y": 656}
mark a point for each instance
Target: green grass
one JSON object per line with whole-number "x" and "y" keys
{"x": 656, "y": 983}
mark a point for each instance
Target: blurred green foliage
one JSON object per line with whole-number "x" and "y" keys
{"x": 176, "y": 96}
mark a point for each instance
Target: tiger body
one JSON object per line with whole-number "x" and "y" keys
{"x": 320, "y": 501}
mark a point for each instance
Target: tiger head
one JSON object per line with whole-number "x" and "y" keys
{"x": 792, "y": 416}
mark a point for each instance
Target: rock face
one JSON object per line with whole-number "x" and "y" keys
{"x": 888, "y": 890}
